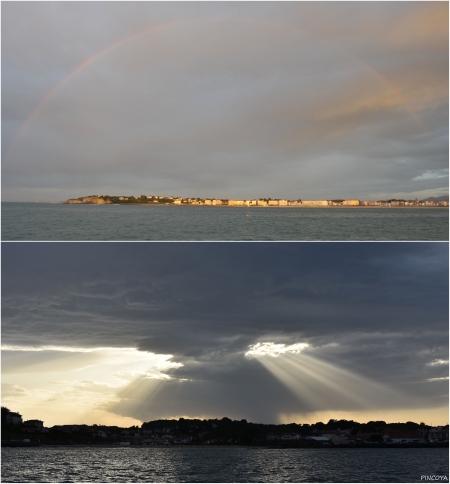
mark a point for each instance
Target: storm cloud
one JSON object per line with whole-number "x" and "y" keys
{"x": 373, "y": 318}
{"x": 227, "y": 100}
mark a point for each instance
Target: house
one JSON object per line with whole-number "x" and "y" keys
{"x": 438, "y": 434}
{"x": 291, "y": 436}
{"x": 273, "y": 203}
{"x": 354, "y": 203}
{"x": 34, "y": 423}
{"x": 395, "y": 437}
{"x": 262, "y": 203}
{"x": 314, "y": 203}
{"x": 282, "y": 203}
{"x": 13, "y": 418}
{"x": 332, "y": 436}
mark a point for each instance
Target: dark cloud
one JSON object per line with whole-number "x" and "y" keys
{"x": 379, "y": 310}
{"x": 275, "y": 99}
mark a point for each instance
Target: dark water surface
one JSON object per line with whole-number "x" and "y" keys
{"x": 41, "y": 221}
{"x": 221, "y": 465}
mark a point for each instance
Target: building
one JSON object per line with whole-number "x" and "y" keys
{"x": 315, "y": 203}
{"x": 39, "y": 424}
{"x": 438, "y": 434}
{"x": 236, "y": 202}
{"x": 291, "y": 436}
{"x": 13, "y": 418}
{"x": 353, "y": 203}
{"x": 395, "y": 437}
{"x": 332, "y": 435}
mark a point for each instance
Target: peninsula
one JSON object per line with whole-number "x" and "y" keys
{"x": 261, "y": 202}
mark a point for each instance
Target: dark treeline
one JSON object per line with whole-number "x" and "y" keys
{"x": 220, "y": 429}
{"x": 224, "y": 431}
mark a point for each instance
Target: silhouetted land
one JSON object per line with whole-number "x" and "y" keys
{"x": 227, "y": 432}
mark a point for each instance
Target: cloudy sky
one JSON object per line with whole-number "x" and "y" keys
{"x": 122, "y": 333}
{"x": 231, "y": 100}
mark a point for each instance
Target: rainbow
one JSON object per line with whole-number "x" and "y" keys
{"x": 81, "y": 67}
{"x": 91, "y": 60}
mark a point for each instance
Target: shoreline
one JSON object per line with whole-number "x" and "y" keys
{"x": 346, "y": 207}
{"x": 434, "y": 445}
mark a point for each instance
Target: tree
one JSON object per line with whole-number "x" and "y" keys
{"x": 5, "y": 411}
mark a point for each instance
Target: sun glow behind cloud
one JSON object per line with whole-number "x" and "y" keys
{"x": 60, "y": 384}
{"x": 320, "y": 385}
{"x": 274, "y": 349}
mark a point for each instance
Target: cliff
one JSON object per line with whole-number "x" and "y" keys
{"x": 95, "y": 200}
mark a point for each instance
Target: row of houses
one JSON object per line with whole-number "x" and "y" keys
{"x": 268, "y": 202}
{"x": 310, "y": 203}
{"x": 435, "y": 434}
{"x": 187, "y": 433}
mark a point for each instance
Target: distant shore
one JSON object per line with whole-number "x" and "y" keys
{"x": 153, "y": 200}
{"x": 258, "y": 206}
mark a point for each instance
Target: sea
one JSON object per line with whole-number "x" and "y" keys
{"x": 50, "y": 221}
{"x": 39, "y": 464}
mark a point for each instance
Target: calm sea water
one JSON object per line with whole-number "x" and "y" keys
{"x": 40, "y": 221}
{"x": 221, "y": 465}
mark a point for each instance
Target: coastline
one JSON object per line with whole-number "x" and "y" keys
{"x": 332, "y": 207}
{"x": 434, "y": 445}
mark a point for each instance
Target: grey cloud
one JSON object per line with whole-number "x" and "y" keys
{"x": 228, "y": 99}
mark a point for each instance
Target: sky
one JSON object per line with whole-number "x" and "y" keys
{"x": 123, "y": 333}
{"x": 311, "y": 100}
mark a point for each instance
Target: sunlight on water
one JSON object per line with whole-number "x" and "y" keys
{"x": 221, "y": 465}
